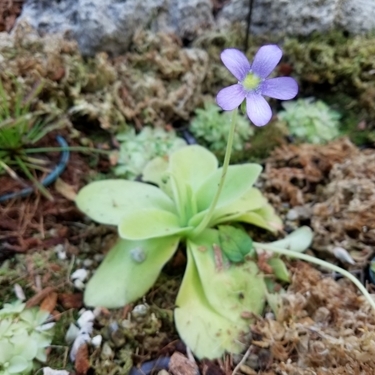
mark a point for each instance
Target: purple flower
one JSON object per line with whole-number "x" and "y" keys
{"x": 253, "y": 83}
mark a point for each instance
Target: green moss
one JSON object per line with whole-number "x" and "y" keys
{"x": 310, "y": 121}
{"x": 58, "y": 358}
{"x": 265, "y": 140}
{"x": 136, "y": 150}
{"x": 211, "y": 128}
{"x": 340, "y": 70}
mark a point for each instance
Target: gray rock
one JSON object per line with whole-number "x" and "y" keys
{"x": 357, "y": 16}
{"x": 302, "y": 17}
{"x": 109, "y": 25}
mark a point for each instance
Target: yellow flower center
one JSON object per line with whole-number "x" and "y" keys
{"x": 251, "y": 82}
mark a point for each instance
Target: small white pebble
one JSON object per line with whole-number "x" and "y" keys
{"x": 97, "y": 341}
{"x": 341, "y": 254}
{"x": 292, "y": 215}
{"x": 270, "y": 316}
{"x": 88, "y": 263}
{"x": 79, "y": 284}
{"x": 140, "y": 310}
{"x": 80, "y": 274}
{"x": 78, "y": 342}
{"x": 51, "y": 371}
{"x": 18, "y": 291}
{"x": 60, "y": 251}
{"x": 86, "y": 328}
{"x": 98, "y": 257}
{"x": 71, "y": 333}
{"x": 87, "y": 317}
{"x": 58, "y": 248}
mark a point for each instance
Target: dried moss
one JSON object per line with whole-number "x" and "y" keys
{"x": 332, "y": 186}
{"x": 158, "y": 82}
{"x": 323, "y": 327}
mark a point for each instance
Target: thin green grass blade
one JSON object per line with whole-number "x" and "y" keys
{"x": 29, "y": 175}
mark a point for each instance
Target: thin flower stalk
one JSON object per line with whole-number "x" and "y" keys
{"x": 320, "y": 262}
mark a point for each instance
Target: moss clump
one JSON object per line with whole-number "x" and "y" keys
{"x": 136, "y": 150}
{"x": 211, "y": 128}
{"x": 157, "y": 82}
{"x": 310, "y": 121}
{"x": 340, "y": 70}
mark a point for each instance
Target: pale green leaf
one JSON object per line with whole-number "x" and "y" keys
{"x": 238, "y": 181}
{"x": 29, "y": 316}
{"x": 205, "y": 331}
{"x": 41, "y": 355}
{"x": 297, "y": 241}
{"x": 5, "y": 325}
{"x": 231, "y": 290}
{"x": 12, "y": 308}
{"x": 128, "y": 271}
{"x": 274, "y": 300}
{"x": 264, "y": 217}
{"x": 17, "y": 365}
{"x": 156, "y": 172}
{"x": 107, "y": 201}
{"x": 42, "y": 339}
{"x": 188, "y": 169}
{"x": 279, "y": 269}
{"x": 6, "y": 351}
{"x": 149, "y": 223}
{"x": 192, "y": 165}
{"x": 248, "y": 202}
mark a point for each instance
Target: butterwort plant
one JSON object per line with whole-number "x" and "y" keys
{"x": 197, "y": 206}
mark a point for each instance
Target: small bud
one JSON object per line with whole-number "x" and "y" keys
{"x": 341, "y": 254}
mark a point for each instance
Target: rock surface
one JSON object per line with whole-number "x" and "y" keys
{"x": 302, "y": 17}
{"x": 109, "y": 25}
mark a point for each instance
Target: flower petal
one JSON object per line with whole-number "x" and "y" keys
{"x": 266, "y": 60}
{"x": 284, "y": 88}
{"x": 236, "y": 62}
{"x": 258, "y": 110}
{"x": 230, "y": 97}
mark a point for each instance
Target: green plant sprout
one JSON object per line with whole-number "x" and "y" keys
{"x": 211, "y": 128}
{"x": 195, "y": 205}
{"x": 24, "y": 336}
{"x": 311, "y": 121}
{"x": 20, "y": 129}
{"x": 136, "y": 150}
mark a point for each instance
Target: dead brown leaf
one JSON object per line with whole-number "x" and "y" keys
{"x": 66, "y": 190}
{"x": 82, "y": 362}
{"x": 49, "y": 303}
{"x": 71, "y": 300}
